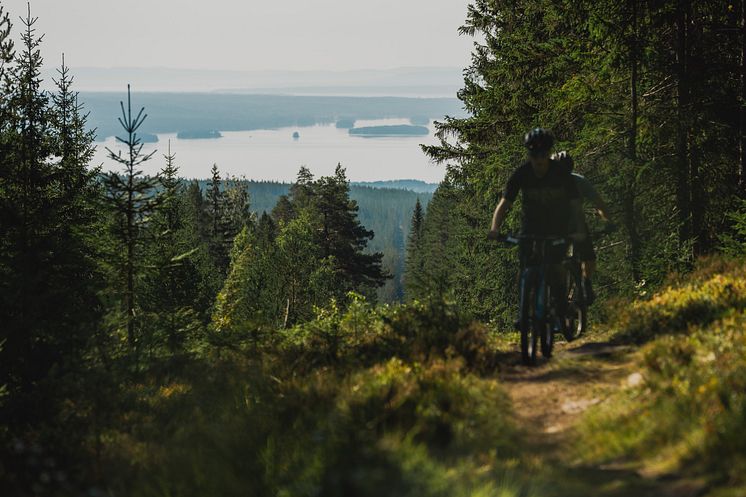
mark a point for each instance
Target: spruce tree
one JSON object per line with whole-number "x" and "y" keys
{"x": 196, "y": 230}
{"x": 216, "y": 201}
{"x": 169, "y": 285}
{"x": 283, "y": 211}
{"x": 414, "y": 274}
{"x": 47, "y": 191}
{"x": 221, "y": 229}
{"x": 131, "y": 199}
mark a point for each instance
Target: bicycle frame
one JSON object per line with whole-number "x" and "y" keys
{"x": 537, "y": 309}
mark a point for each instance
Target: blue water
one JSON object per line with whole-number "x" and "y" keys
{"x": 276, "y": 155}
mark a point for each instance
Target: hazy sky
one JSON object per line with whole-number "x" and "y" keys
{"x": 251, "y": 35}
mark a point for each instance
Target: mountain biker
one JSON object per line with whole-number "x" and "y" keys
{"x": 584, "y": 246}
{"x": 549, "y": 203}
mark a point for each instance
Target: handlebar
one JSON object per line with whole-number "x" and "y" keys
{"x": 556, "y": 240}
{"x": 516, "y": 239}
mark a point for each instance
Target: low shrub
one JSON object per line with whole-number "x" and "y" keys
{"x": 689, "y": 410}
{"x": 365, "y": 401}
{"x": 701, "y": 300}
{"x": 364, "y": 335}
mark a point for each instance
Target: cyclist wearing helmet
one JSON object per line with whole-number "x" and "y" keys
{"x": 549, "y": 203}
{"x": 584, "y": 246}
{"x": 548, "y": 192}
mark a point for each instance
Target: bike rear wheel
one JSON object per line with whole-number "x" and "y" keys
{"x": 576, "y": 320}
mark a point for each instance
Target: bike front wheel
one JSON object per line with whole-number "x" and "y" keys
{"x": 545, "y": 328}
{"x": 528, "y": 323}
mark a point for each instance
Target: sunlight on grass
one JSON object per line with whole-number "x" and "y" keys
{"x": 687, "y": 408}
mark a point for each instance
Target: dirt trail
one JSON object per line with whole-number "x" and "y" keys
{"x": 549, "y": 401}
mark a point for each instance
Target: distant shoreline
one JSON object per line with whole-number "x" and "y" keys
{"x": 390, "y": 130}
{"x": 174, "y": 112}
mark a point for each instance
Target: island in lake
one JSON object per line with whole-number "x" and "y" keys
{"x": 147, "y": 137}
{"x": 393, "y": 130}
{"x": 296, "y": 135}
{"x": 198, "y": 134}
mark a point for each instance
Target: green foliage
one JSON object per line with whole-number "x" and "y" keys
{"x": 383, "y": 207}
{"x": 415, "y": 271}
{"x": 734, "y": 240}
{"x": 131, "y": 200}
{"x": 364, "y": 422}
{"x": 168, "y": 293}
{"x": 362, "y": 334}
{"x": 49, "y": 279}
{"x": 688, "y": 407}
{"x": 659, "y": 138}
{"x": 697, "y": 301}
{"x": 278, "y": 275}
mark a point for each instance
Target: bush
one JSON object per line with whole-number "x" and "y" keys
{"x": 363, "y": 335}
{"x": 702, "y": 299}
{"x": 237, "y": 428}
{"x": 690, "y": 408}
{"x": 365, "y": 401}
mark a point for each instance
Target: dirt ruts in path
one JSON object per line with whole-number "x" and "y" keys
{"x": 549, "y": 400}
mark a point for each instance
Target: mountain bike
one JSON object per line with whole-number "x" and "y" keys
{"x": 538, "y": 310}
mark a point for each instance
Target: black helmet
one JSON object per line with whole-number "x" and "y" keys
{"x": 538, "y": 140}
{"x": 564, "y": 159}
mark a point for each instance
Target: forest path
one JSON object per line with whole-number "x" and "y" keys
{"x": 548, "y": 403}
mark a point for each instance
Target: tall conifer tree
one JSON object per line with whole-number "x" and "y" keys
{"x": 48, "y": 288}
{"x": 131, "y": 198}
{"x": 413, "y": 279}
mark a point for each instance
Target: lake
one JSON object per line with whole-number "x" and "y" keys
{"x": 276, "y": 155}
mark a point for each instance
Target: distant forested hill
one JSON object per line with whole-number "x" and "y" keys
{"x": 172, "y": 112}
{"x": 387, "y": 211}
{"x": 401, "y": 184}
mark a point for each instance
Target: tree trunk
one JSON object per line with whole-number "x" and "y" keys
{"x": 683, "y": 186}
{"x": 130, "y": 265}
{"x": 630, "y": 191}
{"x": 742, "y": 124}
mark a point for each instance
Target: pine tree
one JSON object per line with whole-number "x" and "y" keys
{"x": 131, "y": 198}
{"x": 302, "y": 191}
{"x": 341, "y": 235}
{"x": 234, "y": 306}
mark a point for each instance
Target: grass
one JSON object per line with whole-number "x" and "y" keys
{"x": 392, "y": 401}
{"x": 688, "y": 414}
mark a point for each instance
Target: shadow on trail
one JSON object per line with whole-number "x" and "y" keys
{"x": 570, "y": 361}
{"x": 549, "y": 401}
{"x": 598, "y": 349}
{"x": 615, "y": 482}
